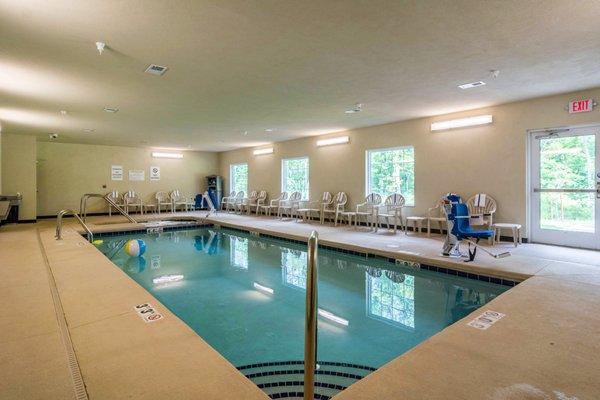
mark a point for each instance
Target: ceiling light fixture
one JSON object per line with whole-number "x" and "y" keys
{"x": 461, "y": 122}
{"x": 335, "y": 140}
{"x": 259, "y": 152}
{"x": 357, "y": 108}
{"x": 112, "y": 110}
{"x": 100, "y": 46}
{"x": 471, "y": 85}
{"x": 269, "y": 130}
{"x": 157, "y": 154}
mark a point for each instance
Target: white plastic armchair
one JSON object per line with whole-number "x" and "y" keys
{"x": 260, "y": 201}
{"x": 391, "y": 209}
{"x": 485, "y": 208}
{"x": 245, "y": 203}
{"x": 337, "y": 205}
{"x": 226, "y": 199}
{"x": 436, "y": 214}
{"x": 133, "y": 202}
{"x": 368, "y": 210}
{"x": 290, "y": 206}
{"x": 307, "y": 208}
{"x": 234, "y": 202}
{"x": 177, "y": 199}
{"x": 114, "y": 196}
{"x": 273, "y": 204}
{"x": 163, "y": 200}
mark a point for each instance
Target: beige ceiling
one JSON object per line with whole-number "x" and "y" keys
{"x": 293, "y": 66}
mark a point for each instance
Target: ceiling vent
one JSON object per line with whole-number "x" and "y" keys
{"x": 471, "y": 85}
{"x": 156, "y": 69}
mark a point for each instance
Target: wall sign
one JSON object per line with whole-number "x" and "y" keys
{"x": 579, "y": 106}
{"x": 485, "y": 320}
{"x": 137, "y": 175}
{"x": 116, "y": 172}
{"x": 148, "y": 313}
{"x": 155, "y": 173}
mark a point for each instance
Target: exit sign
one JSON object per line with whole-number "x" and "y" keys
{"x": 579, "y": 106}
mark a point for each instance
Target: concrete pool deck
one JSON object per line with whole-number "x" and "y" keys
{"x": 545, "y": 348}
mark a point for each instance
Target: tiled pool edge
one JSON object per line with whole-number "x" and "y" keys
{"x": 408, "y": 263}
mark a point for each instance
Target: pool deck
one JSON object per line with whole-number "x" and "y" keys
{"x": 546, "y": 347}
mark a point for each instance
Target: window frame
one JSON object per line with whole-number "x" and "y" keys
{"x": 283, "y": 174}
{"x": 368, "y": 169}
{"x": 231, "y": 180}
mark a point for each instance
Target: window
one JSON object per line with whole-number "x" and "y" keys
{"x": 294, "y": 176}
{"x": 238, "y": 175}
{"x": 392, "y": 171}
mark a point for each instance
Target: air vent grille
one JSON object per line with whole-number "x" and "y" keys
{"x": 156, "y": 69}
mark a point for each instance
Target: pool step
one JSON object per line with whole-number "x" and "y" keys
{"x": 285, "y": 379}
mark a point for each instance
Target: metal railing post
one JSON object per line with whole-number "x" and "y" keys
{"x": 59, "y": 218}
{"x": 310, "y": 331}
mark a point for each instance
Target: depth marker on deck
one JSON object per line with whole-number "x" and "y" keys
{"x": 485, "y": 320}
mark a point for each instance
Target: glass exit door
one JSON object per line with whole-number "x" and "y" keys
{"x": 565, "y": 183}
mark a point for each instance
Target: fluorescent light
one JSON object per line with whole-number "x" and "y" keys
{"x": 111, "y": 110}
{"x": 461, "y": 122}
{"x": 167, "y": 279}
{"x": 268, "y": 150}
{"x": 157, "y": 154}
{"x": 335, "y": 140}
{"x": 263, "y": 288}
{"x": 472, "y": 85}
{"x": 333, "y": 317}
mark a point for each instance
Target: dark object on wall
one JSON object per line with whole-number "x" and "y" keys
{"x": 9, "y": 208}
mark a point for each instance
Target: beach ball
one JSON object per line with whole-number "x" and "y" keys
{"x": 135, "y": 247}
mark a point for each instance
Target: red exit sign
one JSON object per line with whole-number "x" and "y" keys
{"x": 578, "y": 106}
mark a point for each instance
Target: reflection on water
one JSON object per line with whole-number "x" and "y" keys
{"x": 391, "y": 296}
{"x": 293, "y": 263}
{"x": 238, "y": 252}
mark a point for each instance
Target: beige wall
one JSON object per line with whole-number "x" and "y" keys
{"x": 0, "y": 159}
{"x": 67, "y": 171}
{"x": 18, "y": 171}
{"x": 490, "y": 159}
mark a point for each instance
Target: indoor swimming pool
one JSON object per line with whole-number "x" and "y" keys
{"x": 244, "y": 295}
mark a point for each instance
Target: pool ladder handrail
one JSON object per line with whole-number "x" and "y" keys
{"x": 106, "y": 197}
{"x": 59, "y": 218}
{"x": 310, "y": 326}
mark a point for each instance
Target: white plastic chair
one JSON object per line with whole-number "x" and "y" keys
{"x": 337, "y": 206}
{"x": 133, "y": 201}
{"x": 290, "y": 206}
{"x": 244, "y": 205}
{"x": 368, "y": 210}
{"x": 177, "y": 199}
{"x": 114, "y": 196}
{"x": 162, "y": 199}
{"x": 233, "y": 202}
{"x": 485, "y": 210}
{"x": 307, "y": 208}
{"x": 391, "y": 209}
{"x": 226, "y": 199}
{"x": 438, "y": 215}
{"x": 273, "y": 204}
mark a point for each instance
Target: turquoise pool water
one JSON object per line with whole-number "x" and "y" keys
{"x": 245, "y": 296}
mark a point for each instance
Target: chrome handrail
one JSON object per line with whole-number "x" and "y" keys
{"x": 310, "y": 327}
{"x": 111, "y": 202}
{"x": 59, "y": 218}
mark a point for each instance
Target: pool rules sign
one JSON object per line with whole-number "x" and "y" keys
{"x": 155, "y": 173}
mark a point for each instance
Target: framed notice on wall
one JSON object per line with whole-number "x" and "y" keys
{"x": 116, "y": 172}
{"x": 137, "y": 175}
{"x": 155, "y": 173}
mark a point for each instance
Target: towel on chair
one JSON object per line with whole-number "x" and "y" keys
{"x": 480, "y": 200}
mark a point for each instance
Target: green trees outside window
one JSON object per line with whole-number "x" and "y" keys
{"x": 392, "y": 171}
{"x": 294, "y": 176}
{"x": 238, "y": 175}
